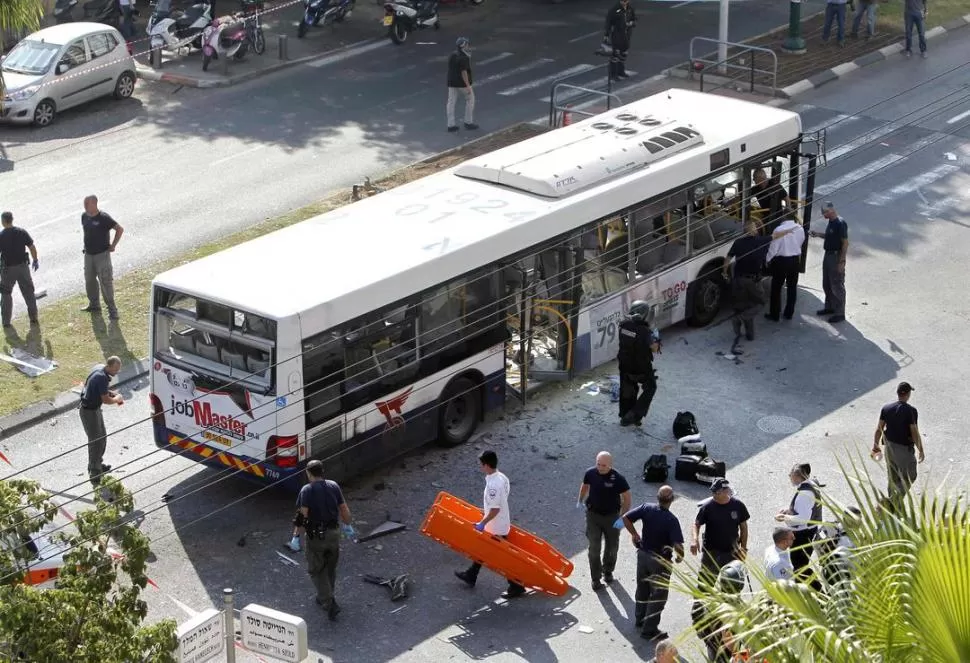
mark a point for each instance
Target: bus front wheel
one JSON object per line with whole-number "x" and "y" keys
{"x": 704, "y": 299}
{"x": 459, "y": 412}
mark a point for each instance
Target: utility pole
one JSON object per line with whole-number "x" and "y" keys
{"x": 722, "y": 38}
{"x": 794, "y": 43}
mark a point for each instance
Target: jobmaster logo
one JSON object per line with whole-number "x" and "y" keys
{"x": 392, "y": 409}
{"x": 206, "y": 418}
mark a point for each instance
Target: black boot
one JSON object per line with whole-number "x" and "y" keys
{"x": 621, "y": 70}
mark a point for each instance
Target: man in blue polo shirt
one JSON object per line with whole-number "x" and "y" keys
{"x": 97, "y": 392}
{"x": 605, "y": 494}
{"x": 661, "y": 538}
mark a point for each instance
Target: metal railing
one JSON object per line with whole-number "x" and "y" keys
{"x": 579, "y": 95}
{"x": 735, "y": 64}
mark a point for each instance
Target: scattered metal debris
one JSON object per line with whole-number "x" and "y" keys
{"x": 398, "y": 584}
{"x": 389, "y": 527}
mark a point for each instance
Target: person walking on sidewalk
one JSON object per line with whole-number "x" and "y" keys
{"x": 98, "y": 247}
{"x": 866, "y": 8}
{"x": 915, "y": 13}
{"x": 836, "y": 246}
{"x": 321, "y": 510}
{"x": 605, "y": 494}
{"x": 460, "y": 81}
{"x": 95, "y": 393}
{"x": 620, "y": 21}
{"x": 497, "y": 520}
{"x": 15, "y": 243}
{"x": 898, "y": 430}
{"x": 784, "y": 254}
{"x": 835, "y": 11}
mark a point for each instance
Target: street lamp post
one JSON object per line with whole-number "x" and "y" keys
{"x": 794, "y": 43}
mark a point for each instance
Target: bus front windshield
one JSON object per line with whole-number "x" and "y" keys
{"x": 214, "y": 340}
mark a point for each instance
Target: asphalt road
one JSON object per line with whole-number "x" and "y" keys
{"x": 804, "y": 391}
{"x": 179, "y": 166}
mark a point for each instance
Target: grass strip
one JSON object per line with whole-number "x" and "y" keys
{"x": 77, "y": 341}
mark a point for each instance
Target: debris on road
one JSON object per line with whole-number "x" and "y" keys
{"x": 29, "y": 364}
{"x": 585, "y": 629}
{"x": 286, "y": 559}
{"x": 388, "y": 527}
{"x": 398, "y": 584}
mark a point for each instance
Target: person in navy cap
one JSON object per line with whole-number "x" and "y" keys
{"x": 725, "y": 521}
{"x": 898, "y": 432}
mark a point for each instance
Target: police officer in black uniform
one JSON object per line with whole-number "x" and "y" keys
{"x": 725, "y": 521}
{"x": 620, "y": 21}
{"x": 15, "y": 243}
{"x": 322, "y": 513}
{"x": 638, "y": 342}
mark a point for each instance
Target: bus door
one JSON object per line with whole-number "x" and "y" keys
{"x": 553, "y": 307}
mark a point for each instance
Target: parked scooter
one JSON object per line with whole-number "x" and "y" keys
{"x": 405, "y": 16}
{"x": 224, "y": 38}
{"x": 95, "y": 11}
{"x": 252, "y": 12}
{"x": 324, "y": 11}
{"x": 173, "y": 30}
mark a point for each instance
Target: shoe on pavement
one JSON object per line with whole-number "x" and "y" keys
{"x": 467, "y": 579}
{"x": 824, "y": 311}
{"x": 471, "y": 126}
{"x": 105, "y": 468}
{"x": 333, "y": 611}
{"x": 909, "y": 54}
{"x": 608, "y": 577}
{"x": 112, "y": 315}
{"x": 653, "y": 635}
{"x": 453, "y": 129}
{"x": 836, "y": 319}
{"x": 511, "y": 593}
{"x": 923, "y": 54}
{"x": 597, "y": 585}
{"x": 91, "y": 309}
{"x": 768, "y": 316}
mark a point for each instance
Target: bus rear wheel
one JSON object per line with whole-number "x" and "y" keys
{"x": 459, "y": 412}
{"x": 704, "y": 298}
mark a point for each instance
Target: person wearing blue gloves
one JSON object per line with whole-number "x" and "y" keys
{"x": 605, "y": 494}
{"x": 497, "y": 520}
{"x": 322, "y": 513}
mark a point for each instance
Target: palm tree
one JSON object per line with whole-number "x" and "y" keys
{"x": 901, "y": 594}
{"x": 17, "y": 17}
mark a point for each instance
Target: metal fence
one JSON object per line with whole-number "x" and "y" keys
{"x": 755, "y": 66}
{"x": 585, "y": 100}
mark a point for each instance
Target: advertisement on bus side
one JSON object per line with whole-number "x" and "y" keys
{"x": 216, "y": 418}
{"x": 667, "y": 294}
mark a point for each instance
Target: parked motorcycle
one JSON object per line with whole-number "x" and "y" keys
{"x": 324, "y": 11}
{"x": 177, "y": 29}
{"x": 224, "y": 38}
{"x": 405, "y": 16}
{"x": 94, "y": 11}
{"x": 252, "y": 10}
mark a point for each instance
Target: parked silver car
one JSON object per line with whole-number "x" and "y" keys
{"x": 64, "y": 66}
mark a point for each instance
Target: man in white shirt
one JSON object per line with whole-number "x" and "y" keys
{"x": 778, "y": 564}
{"x": 497, "y": 519}
{"x": 783, "y": 257}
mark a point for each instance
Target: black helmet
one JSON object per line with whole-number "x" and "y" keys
{"x": 639, "y": 310}
{"x": 731, "y": 578}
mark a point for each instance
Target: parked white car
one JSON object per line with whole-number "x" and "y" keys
{"x": 63, "y": 66}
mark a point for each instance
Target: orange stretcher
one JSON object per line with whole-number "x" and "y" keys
{"x": 521, "y": 557}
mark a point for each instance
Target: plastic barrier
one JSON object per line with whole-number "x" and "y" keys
{"x": 521, "y": 557}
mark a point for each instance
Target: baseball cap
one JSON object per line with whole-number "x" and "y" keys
{"x": 904, "y": 388}
{"x": 720, "y": 484}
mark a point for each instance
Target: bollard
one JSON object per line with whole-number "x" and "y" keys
{"x": 156, "y": 58}
{"x": 230, "y": 624}
{"x": 567, "y": 116}
{"x": 282, "y": 48}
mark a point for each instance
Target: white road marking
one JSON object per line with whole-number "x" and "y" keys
{"x": 840, "y": 120}
{"x": 873, "y": 167}
{"x": 72, "y": 215}
{"x": 186, "y": 609}
{"x": 864, "y": 139}
{"x": 349, "y": 52}
{"x": 572, "y": 93}
{"x": 578, "y": 69}
{"x": 585, "y": 36}
{"x": 494, "y": 58}
{"x": 512, "y": 72}
{"x": 911, "y": 185}
{"x": 957, "y": 118}
{"x": 238, "y": 155}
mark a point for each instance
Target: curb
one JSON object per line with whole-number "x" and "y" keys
{"x": 838, "y": 71}
{"x": 145, "y": 72}
{"x": 32, "y": 415}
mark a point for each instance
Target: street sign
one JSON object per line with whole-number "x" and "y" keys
{"x": 273, "y": 633}
{"x": 202, "y": 638}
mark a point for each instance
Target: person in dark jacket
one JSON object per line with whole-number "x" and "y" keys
{"x": 638, "y": 342}
{"x": 620, "y": 21}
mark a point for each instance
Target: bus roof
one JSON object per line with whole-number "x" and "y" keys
{"x": 337, "y": 266}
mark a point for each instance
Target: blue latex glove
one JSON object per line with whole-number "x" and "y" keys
{"x": 579, "y": 505}
{"x": 348, "y": 531}
{"x": 36, "y": 265}
{"x": 294, "y": 544}
{"x": 480, "y": 526}
{"x": 618, "y": 524}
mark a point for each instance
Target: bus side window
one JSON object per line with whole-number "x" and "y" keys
{"x": 441, "y": 319}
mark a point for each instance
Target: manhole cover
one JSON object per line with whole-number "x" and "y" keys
{"x": 776, "y": 423}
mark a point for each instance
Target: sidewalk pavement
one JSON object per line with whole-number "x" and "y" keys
{"x": 821, "y": 63}
{"x": 338, "y": 40}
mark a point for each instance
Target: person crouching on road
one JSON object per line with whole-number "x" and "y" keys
{"x": 662, "y": 537}
{"x": 605, "y": 494}
{"x": 320, "y": 511}
{"x": 638, "y": 343}
{"x": 497, "y": 520}
{"x": 803, "y": 515}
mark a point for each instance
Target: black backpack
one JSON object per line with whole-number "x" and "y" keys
{"x": 655, "y": 469}
{"x": 685, "y": 424}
